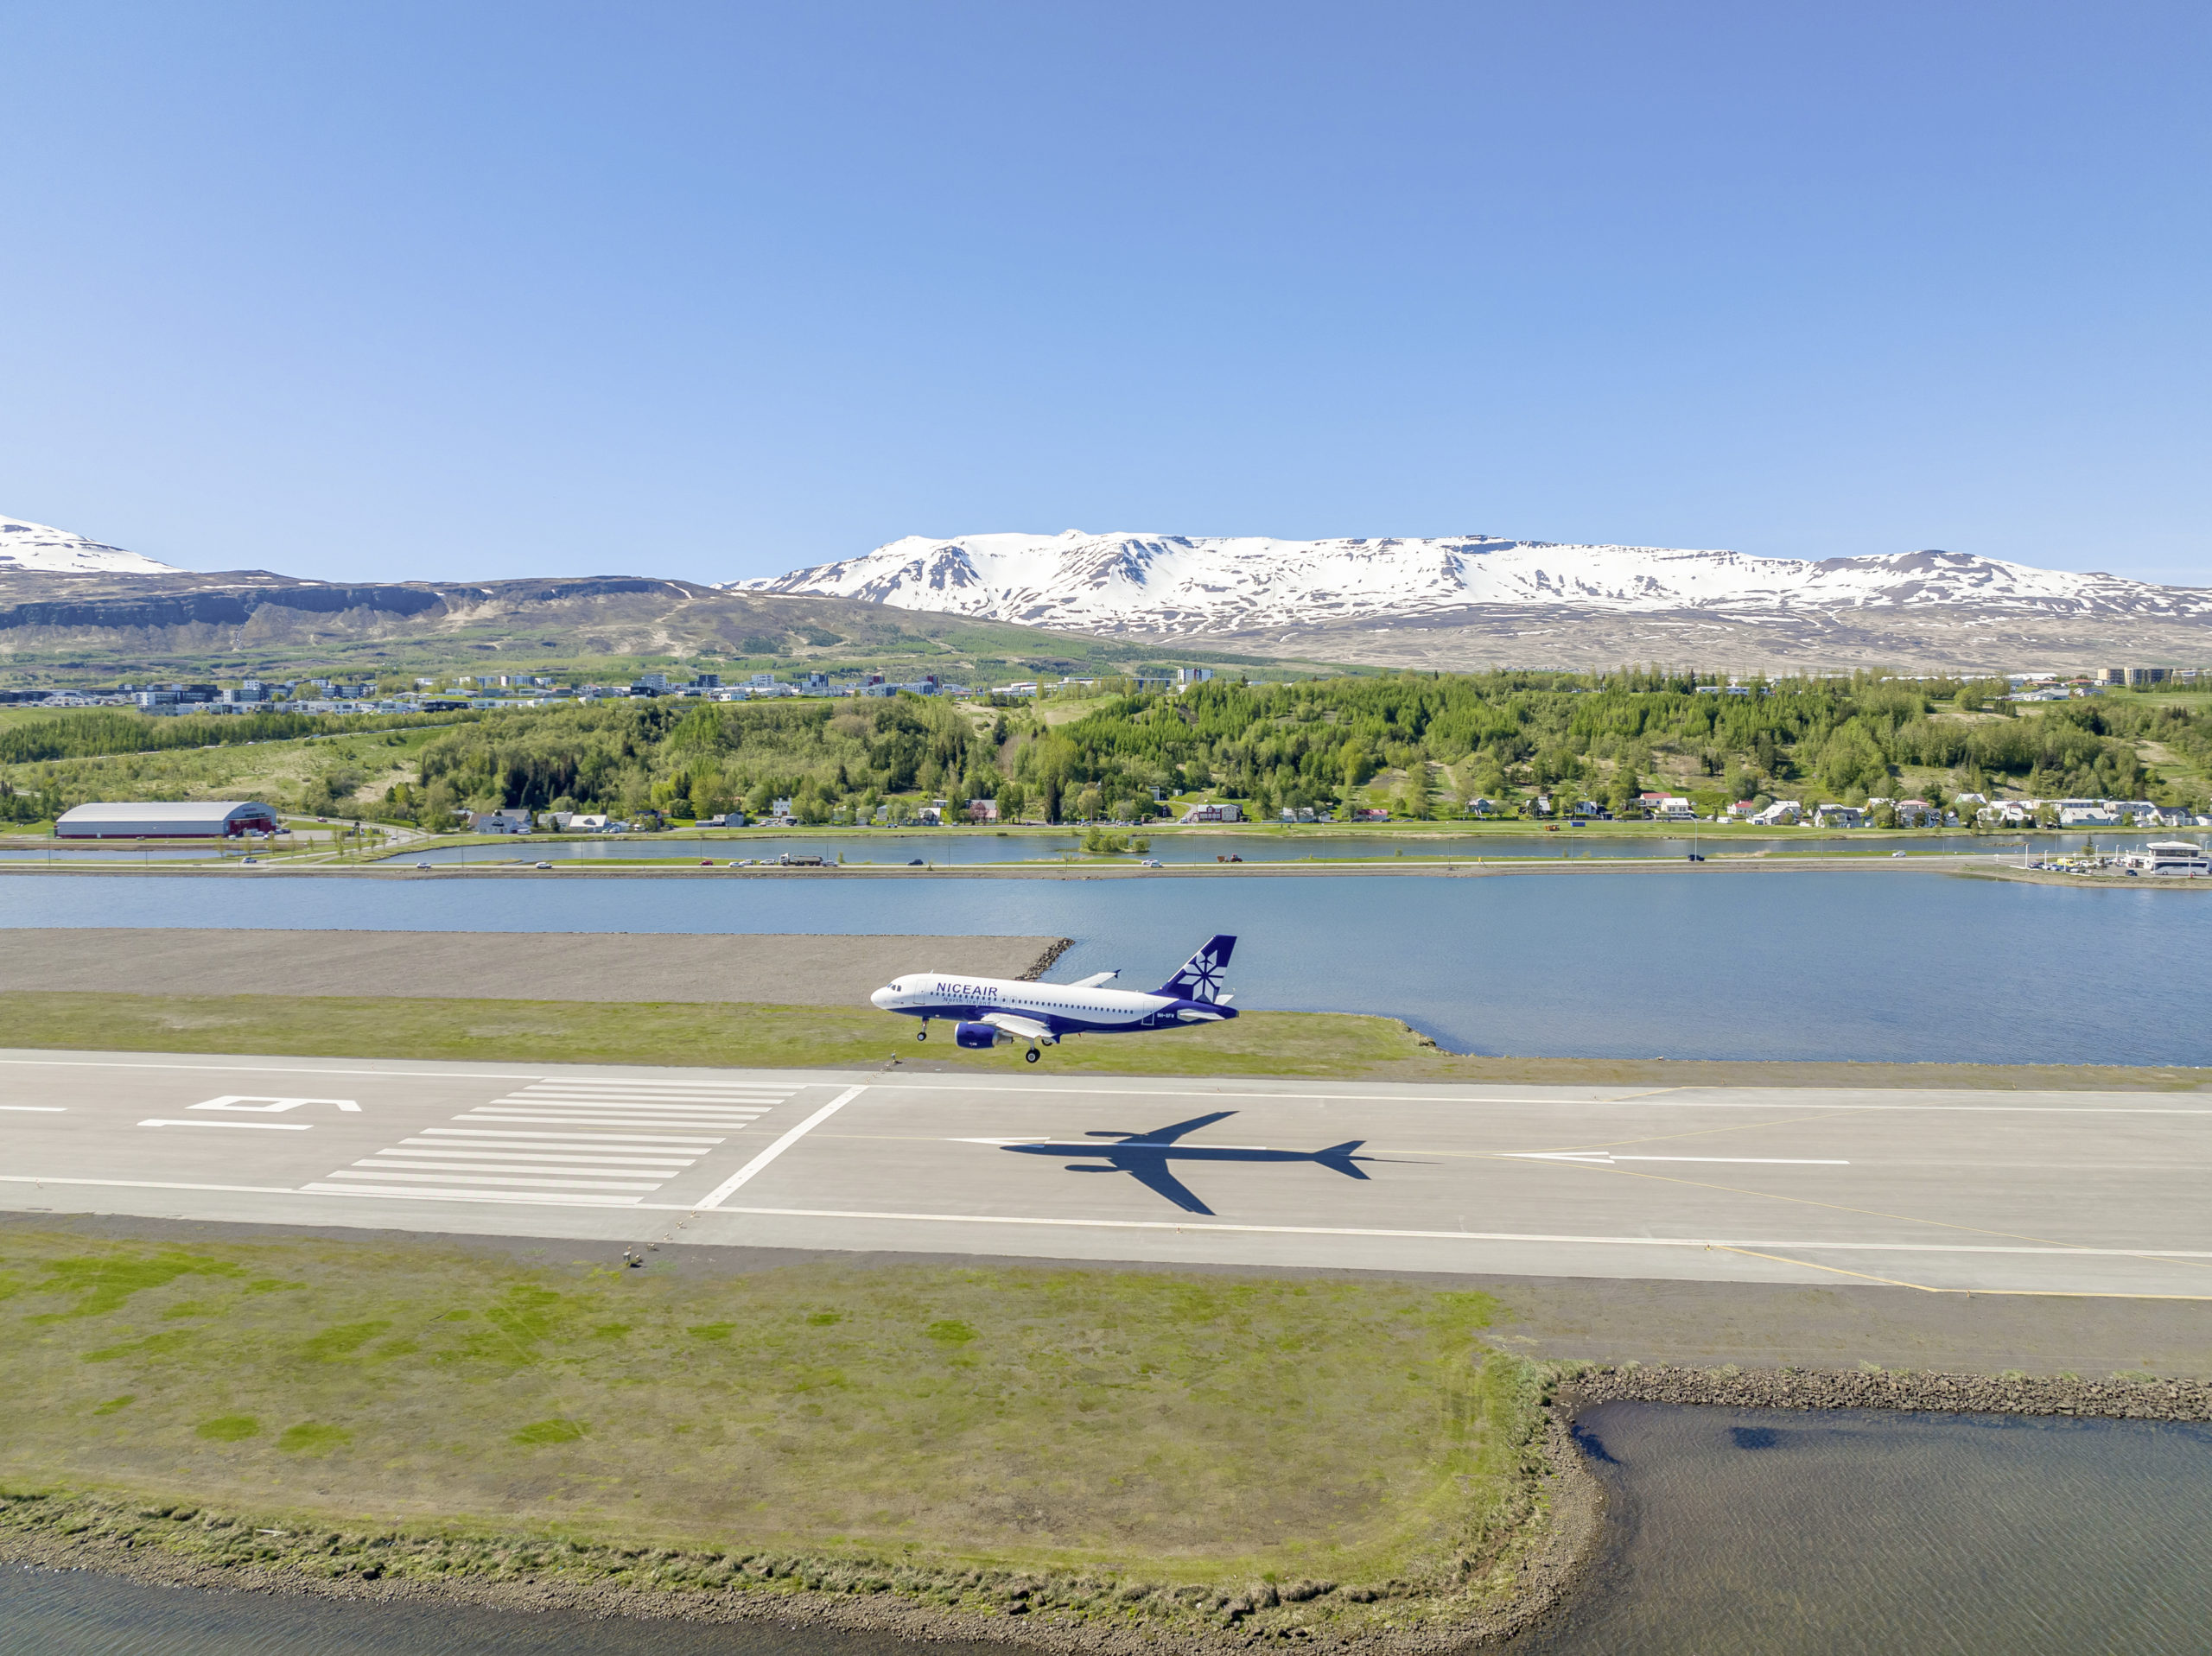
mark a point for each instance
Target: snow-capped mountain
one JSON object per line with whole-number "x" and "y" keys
{"x": 1187, "y": 584}
{"x": 35, "y": 548}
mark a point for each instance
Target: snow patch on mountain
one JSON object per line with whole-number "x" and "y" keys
{"x": 1183, "y": 584}
{"x": 35, "y": 548}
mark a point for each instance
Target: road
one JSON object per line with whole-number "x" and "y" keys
{"x": 2040, "y": 1193}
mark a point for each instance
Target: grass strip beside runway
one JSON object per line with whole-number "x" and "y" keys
{"x": 1121, "y": 1447}
{"x": 1337, "y": 1045}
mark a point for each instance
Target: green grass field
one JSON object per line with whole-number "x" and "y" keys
{"x": 1113, "y": 1438}
{"x": 1318, "y": 1044}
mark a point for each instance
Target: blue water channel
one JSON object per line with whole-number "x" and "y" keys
{"x": 1876, "y": 964}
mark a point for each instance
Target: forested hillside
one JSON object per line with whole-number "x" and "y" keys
{"x": 1422, "y": 745}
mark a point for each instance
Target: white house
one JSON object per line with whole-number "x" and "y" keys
{"x": 1212, "y": 811}
{"x": 2086, "y": 814}
{"x": 1779, "y": 813}
{"x": 500, "y": 821}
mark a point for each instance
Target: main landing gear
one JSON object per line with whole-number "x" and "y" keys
{"x": 1032, "y": 1054}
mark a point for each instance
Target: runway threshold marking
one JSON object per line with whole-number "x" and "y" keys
{"x": 758, "y": 1165}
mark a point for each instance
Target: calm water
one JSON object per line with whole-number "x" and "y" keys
{"x": 75, "y": 1612}
{"x": 1730, "y": 1533}
{"x": 1747, "y": 1533}
{"x": 1695, "y": 963}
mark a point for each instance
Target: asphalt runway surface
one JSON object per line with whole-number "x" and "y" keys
{"x": 2057, "y": 1193}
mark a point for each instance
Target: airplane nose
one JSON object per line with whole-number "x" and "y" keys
{"x": 883, "y": 997}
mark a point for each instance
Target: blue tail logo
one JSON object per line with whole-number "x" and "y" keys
{"x": 1199, "y": 978}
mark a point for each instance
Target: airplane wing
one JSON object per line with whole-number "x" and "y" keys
{"x": 1023, "y": 1028}
{"x": 1150, "y": 1170}
{"x": 1095, "y": 980}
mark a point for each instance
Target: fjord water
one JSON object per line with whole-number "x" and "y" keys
{"x": 1759, "y": 1533}
{"x": 1728, "y": 1532}
{"x": 1875, "y": 964}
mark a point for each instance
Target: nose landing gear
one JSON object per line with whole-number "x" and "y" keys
{"x": 923, "y": 1033}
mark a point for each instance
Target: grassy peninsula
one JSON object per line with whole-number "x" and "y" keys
{"x": 1137, "y": 1450}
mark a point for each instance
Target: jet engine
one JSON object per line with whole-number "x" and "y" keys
{"x": 979, "y": 1035}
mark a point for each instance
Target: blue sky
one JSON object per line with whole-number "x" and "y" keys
{"x": 464, "y": 291}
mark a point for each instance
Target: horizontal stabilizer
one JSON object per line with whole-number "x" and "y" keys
{"x": 1192, "y": 1015}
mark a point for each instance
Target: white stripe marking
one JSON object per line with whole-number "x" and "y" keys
{"x": 473, "y": 1178}
{"x": 577, "y": 1201}
{"x": 549, "y": 1139}
{"x": 656, "y": 1106}
{"x": 539, "y": 1171}
{"x": 737, "y": 1180}
{"x": 415, "y": 1150}
{"x": 673, "y": 1083}
{"x": 695, "y": 1122}
{"x": 37, "y": 1109}
{"x": 265, "y": 1127}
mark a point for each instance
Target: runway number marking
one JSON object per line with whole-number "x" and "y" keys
{"x": 256, "y": 1104}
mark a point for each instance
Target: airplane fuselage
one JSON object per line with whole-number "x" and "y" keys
{"x": 1063, "y": 1008}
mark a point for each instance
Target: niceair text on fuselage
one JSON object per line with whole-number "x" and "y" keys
{"x": 985, "y": 1011}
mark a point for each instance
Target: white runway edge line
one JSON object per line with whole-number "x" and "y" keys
{"x": 737, "y": 1180}
{"x": 1801, "y": 1247}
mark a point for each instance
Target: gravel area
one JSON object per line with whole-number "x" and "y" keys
{"x": 716, "y": 968}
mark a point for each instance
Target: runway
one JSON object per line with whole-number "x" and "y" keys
{"x": 2057, "y": 1193}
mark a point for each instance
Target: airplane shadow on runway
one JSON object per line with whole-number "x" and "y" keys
{"x": 1145, "y": 1156}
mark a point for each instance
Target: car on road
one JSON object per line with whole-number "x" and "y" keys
{"x": 915, "y": 862}
{"x": 420, "y": 865}
{"x": 541, "y": 865}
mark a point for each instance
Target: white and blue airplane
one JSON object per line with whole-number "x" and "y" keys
{"x": 988, "y": 1012}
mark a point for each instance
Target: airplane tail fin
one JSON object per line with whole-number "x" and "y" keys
{"x": 1338, "y": 1159}
{"x": 1199, "y": 978}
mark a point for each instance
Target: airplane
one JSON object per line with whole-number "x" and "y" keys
{"x": 989, "y": 1012}
{"x": 1144, "y": 1155}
